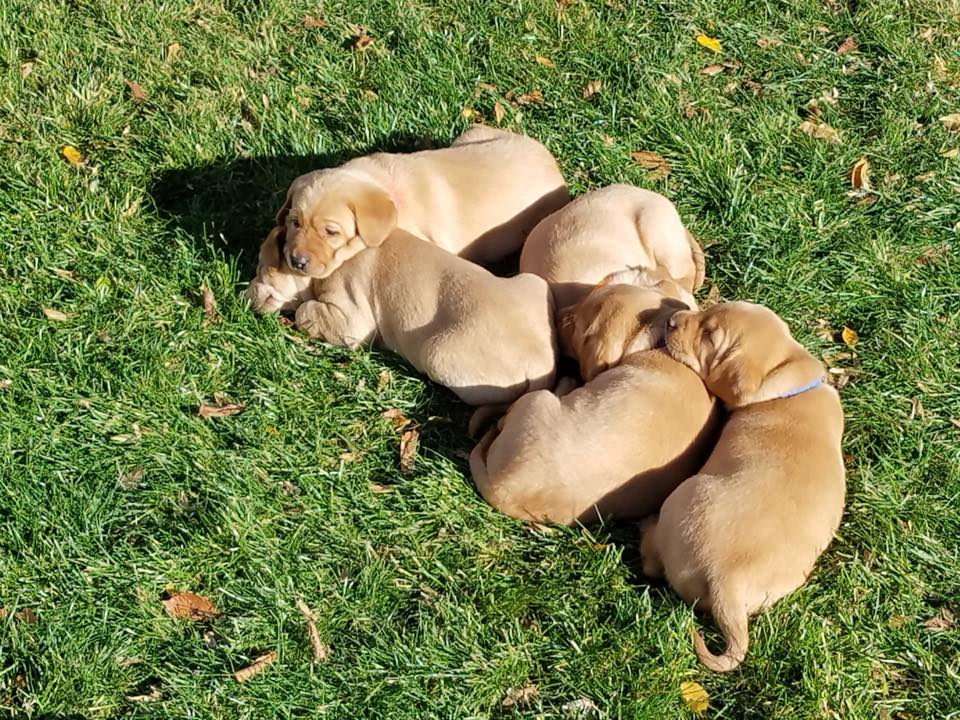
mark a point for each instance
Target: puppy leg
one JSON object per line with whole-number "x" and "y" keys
{"x": 484, "y": 414}
{"x": 649, "y": 552}
{"x": 326, "y": 321}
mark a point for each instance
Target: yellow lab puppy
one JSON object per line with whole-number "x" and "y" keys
{"x": 747, "y": 529}
{"x": 478, "y": 198}
{"x": 488, "y": 339}
{"x": 616, "y": 447}
{"x": 607, "y": 230}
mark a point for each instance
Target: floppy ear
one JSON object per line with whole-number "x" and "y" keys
{"x": 271, "y": 251}
{"x": 739, "y": 382}
{"x": 375, "y": 212}
{"x": 798, "y": 372}
{"x": 281, "y": 218}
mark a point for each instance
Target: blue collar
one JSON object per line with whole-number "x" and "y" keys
{"x": 802, "y": 389}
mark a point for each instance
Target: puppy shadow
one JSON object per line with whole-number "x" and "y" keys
{"x": 235, "y": 201}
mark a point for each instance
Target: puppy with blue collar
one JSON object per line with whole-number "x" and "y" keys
{"x": 749, "y": 527}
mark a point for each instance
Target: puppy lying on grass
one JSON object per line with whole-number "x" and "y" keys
{"x": 616, "y": 447}
{"x": 747, "y": 529}
{"x": 608, "y": 230}
{"x": 488, "y": 339}
{"x": 478, "y": 198}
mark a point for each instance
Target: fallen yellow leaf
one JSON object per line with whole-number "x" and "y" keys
{"x": 498, "y": 113}
{"x": 848, "y": 46}
{"x": 173, "y": 50}
{"x": 409, "y": 441}
{"x": 711, "y": 70}
{"x": 190, "y": 606}
{"x": 849, "y": 336}
{"x": 694, "y": 697}
{"x": 952, "y": 153}
{"x": 545, "y": 61}
{"x": 860, "y": 174}
{"x": 591, "y": 89}
{"x": 72, "y": 155}
{"x": 468, "y": 113}
{"x": 821, "y": 131}
{"x": 709, "y": 43}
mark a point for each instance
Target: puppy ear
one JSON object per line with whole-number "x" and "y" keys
{"x": 700, "y": 267}
{"x": 271, "y": 251}
{"x": 375, "y": 212}
{"x": 797, "y": 373}
{"x": 739, "y": 382}
{"x": 281, "y": 218}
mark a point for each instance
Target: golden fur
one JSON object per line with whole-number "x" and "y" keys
{"x": 747, "y": 529}
{"x": 616, "y": 447}
{"x": 606, "y": 230}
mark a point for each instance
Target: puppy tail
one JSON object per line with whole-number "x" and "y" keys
{"x": 699, "y": 264}
{"x": 731, "y": 617}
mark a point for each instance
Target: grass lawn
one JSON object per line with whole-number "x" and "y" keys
{"x": 191, "y": 119}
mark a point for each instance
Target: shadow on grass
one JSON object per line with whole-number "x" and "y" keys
{"x": 237, "y": 199}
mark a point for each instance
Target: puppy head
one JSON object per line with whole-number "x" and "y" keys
{"x": 743, "y": 352}
{"x": 331, "y": 215}
{"x": 626, "y": 313}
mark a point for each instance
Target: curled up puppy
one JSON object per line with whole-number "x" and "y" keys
{"x": 616, "y": 447}
{"x": 748, "y": 528}
{"x": 488, "y": 339}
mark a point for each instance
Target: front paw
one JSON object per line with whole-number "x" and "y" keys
{"x": 264, "y": 298}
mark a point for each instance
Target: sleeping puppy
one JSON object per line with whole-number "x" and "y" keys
{"x": 607, "y": 230}
{"x": 616, "y": 447}
{"x": 488, "y": 339}
{"x": 478, "y": 198}
{"x": 747, "y": 530}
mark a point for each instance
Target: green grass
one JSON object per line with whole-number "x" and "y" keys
{"x": 433, "y": 605}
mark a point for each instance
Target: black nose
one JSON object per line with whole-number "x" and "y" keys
{"x": 299, "y": 262}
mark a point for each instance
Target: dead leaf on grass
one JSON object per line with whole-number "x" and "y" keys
{"x": 362, "y": 41}
{"x": 711, "y": 70}
{"x": 767, "y": 42}
{"x": 72, "y": 155}
{"x": 927, "y": 35}
{"x": 860, "y": 175}
{"x": 498, "y": 113}
{"x": 349, "y": 457}
{"x": 189, "y": 606}
{"x": 131, "y": 478}
{"x": 520, "y": 696}
{"x": 652, "y": 161}
{"x": 955, "y": 422}
{"x": 53, "y": 314}
{"x": 378, "y": 489}
{"x": 152, "y": 696}
{"x": 820, "y": 131}
{"x": 950, "y": 154}
{"x": 396, "y": 418}
{"x": 5, "y": 383}
{"x": 951, "y": 122}
{"x": 320, "y": 651}
{"x": 591, "y": 89}
{"x": 25, "y": 69}
{"x": 545, "y": 61}
{"x": 310, "y": 22}
{"x": 585, "y": 707}
{"x": 933, "y": 255}
{"x": 256, "y": 667}
{"x": 709, "y": 43}
{"x": 824, "y": 331}
{"x": 849, "y": 336}
{"x": 409, "y": 441}
{"x": 27, "y": 615}
{"x": 848, "y": 46}
{"x": 209, "y": 305}
{"x": 694, "y": 697}
{"x": 534, "y": 97}
{"x": 923, "y": 177}
{"x": 897, "y": 621}
{"x": 173, "y": 51}
{"x": 222, "y": 410}
{"x": 136, "y": 91}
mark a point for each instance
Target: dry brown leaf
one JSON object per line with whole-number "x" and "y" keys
{"x": 396, "y": 418}
{"x": 378, "y": 489}
{"x": 362, "y": 42}
{"x": 131, "y": 478}
{"x": 767, "y": 42}
{"x": 860, "y": 174}
{"x": 320, "y": 651}
{"x": 173, "y": 51}
{"x": 933, "y": 254}
{"x": 5, "y": 383}
{"x": 591, "y": 89}
{"x": 608, "y": 140}
{"x": 310, "y": 22}
{"x": 951, "y": 153}
{"x": 65, "y": 274}
{"x": 25, "y": 69}
{"x": 652, "y": 161}
{"x": 209, "y": 305}
{"x": 409, "y": 441}
{"x": 521, "y": 695}
{"x": 534, "y": 97}
{"x": 848, "y": 46}
{"x": 136, "y": 91}
{"x": 951, "y": 121}
{"x": 955, "y": 422}
{"x": 927, "y": 35}
{"x": 824, "y": 331}
{"x": 349, "y": 457}
{"x": 923, "y": 177}
{"x": 498, "y": 113}
{"x": 27, "y": 615}
{"x": 897, "y": 621}
{"x": 944, "y": 620}
{"x": 222, "y": 410}
{"x": 545, "y": 61}
{"x": 256, "y": 667}
{"x": 849, "y": 336}
{"x": 584, "y": 707}
{"x": 190, "y": 606}
{"x": 711, "y": 70}
{"x": 53, "y": 314}
{"x": 370, "y": 95}
{"x": 821, "y": 131}
{"x": 153, "y": 696}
